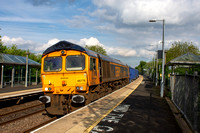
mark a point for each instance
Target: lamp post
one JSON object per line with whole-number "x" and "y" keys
{"x": 163, "y": 57}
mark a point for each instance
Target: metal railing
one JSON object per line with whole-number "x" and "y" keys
{"x": 185, "y": 90}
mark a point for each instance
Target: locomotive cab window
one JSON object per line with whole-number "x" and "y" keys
{"x": 92, "y": 64}
{"x": 52, "y": 64}
{"x": 75, "y": 62}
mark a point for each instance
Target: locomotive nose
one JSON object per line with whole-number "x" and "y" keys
{"x": 78, "y": 99}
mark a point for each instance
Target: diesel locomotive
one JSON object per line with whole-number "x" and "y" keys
{"x": 73, "y": 76}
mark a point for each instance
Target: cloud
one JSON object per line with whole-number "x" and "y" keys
{"x": 137, "y": 11}
{"x": 82, "y": 42}
{"x": 77, "y": 21}
{"x": 120, "y": 51}
{"x": 110, "y": 50}
{"x": 47, "y": 2}
{"x": 21, "y": 11}
{"x": 112, "y": 28}
{"x": 18, "y": 41}
{"x": 90, "y": 42}
{"x": 28, "y": 44}
{"x": 145, "y": 53}
{"x": 46, "y": 45}
{"x": 105, "y": 14}
{"x": 41, "y": 2}
{"x": 25, "y": 19}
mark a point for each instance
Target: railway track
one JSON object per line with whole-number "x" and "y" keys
{"x": 11, "y": 116}
{"x": 23, "y": 118}
{"x": 39, "y": 125}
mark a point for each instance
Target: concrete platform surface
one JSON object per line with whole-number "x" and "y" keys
{"x": 19, "y": 91}
{"x": 83, "y": 119}
{"x": 143, "y": 111}
{"x": 19, "y": 88}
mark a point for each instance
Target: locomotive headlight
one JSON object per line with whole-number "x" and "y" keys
{"x": 77, "y": 88}
{"x": 81, "y": 88}
{"x": 62, "y": 52}
{"x": 46, "y": 89}
{"x": 49, "y": 89}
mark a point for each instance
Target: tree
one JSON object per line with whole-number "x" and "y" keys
{"x": 35, "y": 57}
{"x": 179, "y": 48}
{"x": 13, "y": 50}
{"x": 141, "y": 67}
{"x": 97, "y": 48}
{"x": 2, "y": 48}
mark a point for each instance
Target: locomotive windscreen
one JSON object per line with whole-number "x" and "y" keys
{"x": 75, "y": 62}
{"x": 52, "y": 64}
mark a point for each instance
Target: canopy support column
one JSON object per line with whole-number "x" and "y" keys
{"x": 2, "y": 67}
{"x": 13, "y": 74}
{"x": 21, "y": 74}
{"x": 36, "y": 75}
{"x": 26, "y": 76}
{"x": 29, "y": 76}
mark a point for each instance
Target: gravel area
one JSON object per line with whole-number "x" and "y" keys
{"x": 20, "y": 114}
{"x": 18, "y": 107}
{"x": 24, "y": 124}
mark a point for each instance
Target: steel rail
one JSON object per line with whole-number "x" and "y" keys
{"x": 21, "y": 117}
{"x": 21, "y": 109}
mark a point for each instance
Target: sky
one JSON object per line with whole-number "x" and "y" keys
{"x": 121, "y": 27}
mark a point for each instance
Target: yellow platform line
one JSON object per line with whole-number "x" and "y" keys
{"x": 98, "y": 120}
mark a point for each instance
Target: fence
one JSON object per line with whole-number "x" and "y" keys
{"x": 185, "y": 91}
{"x": 19, "y": 76}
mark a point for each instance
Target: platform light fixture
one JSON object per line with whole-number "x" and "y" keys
{"x": 163, "y": 53}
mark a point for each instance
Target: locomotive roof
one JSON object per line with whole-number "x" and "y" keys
{"x": 64, "y": 45}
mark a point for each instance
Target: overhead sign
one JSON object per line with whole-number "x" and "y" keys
{"x": 160, "y": 54}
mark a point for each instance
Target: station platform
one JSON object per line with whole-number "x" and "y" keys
{"x": 9, "y": 92}
{"x": 136, "y": 107}
{"x": 143, "y": 111}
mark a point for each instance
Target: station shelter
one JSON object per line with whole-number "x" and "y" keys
{"x": 185, "y": 88}
{"x": 186, "y": 59}
{"x": 18, "y": 70}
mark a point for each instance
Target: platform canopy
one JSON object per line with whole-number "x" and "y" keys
{"x": 6, "y": 59}
{"x": 186, "y": 59}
